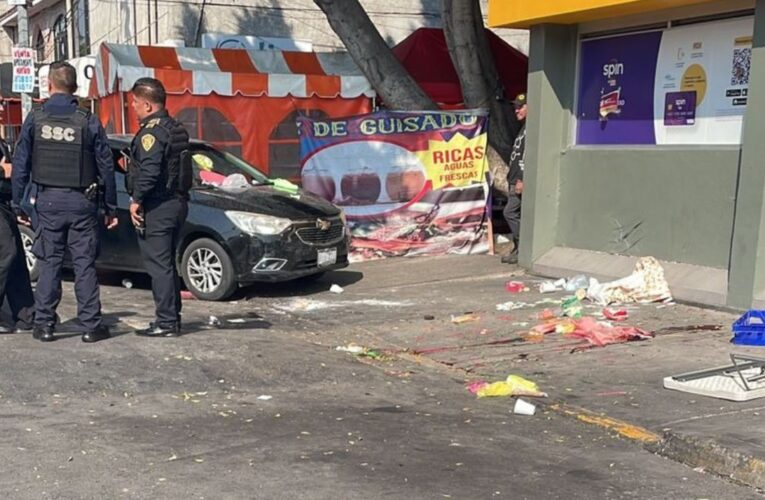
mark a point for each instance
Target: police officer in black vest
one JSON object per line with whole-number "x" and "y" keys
{"x": 64, "y": 150}
{"x": 14, "y": 275}
{"x": 158, "y": 208}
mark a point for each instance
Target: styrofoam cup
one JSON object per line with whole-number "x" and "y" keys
{"x": 524, "y": 407}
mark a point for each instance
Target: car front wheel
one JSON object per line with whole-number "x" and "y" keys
{"x": 207, "y": 270}
{"x": 27, "y": 240}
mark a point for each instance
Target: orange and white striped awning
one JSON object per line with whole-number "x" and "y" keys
{"x": 229, "y": 71}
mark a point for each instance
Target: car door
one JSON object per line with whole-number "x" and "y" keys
{"x": 119, "y": 246}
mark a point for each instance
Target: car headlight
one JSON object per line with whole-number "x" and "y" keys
{"x": 257, "y": 223}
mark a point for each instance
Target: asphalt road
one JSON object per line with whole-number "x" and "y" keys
{"x": 263, "y": 406}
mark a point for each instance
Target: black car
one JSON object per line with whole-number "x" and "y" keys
{"x": 241, "y": 228}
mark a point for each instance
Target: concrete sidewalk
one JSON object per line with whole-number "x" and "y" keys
{"x": 405, "y": 307}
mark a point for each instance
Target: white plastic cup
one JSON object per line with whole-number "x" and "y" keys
{"x": 524, "y": 407}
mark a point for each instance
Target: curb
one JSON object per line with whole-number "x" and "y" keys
{"x": 698, "y": 453}
{"x": 712, "y": 457}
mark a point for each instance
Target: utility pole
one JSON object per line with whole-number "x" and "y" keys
{"x": 23, "y": 41}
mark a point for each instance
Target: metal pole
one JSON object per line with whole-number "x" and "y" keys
{"x": 23, "y": 19}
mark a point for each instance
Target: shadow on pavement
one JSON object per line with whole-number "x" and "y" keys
{"x": 300, "y": 287}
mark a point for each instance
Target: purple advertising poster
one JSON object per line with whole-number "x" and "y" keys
{"x": 616, "y": 86}
{"x": 680, "y": 108}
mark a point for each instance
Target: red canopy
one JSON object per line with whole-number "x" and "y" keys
{"x": 425, "y": 56}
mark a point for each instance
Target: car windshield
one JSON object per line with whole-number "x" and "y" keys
{"x": 213, "y": 167}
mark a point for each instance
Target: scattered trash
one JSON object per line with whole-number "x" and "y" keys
{"x": 548, "y": 287}
{"x": 264, "y": 397}
{"x": 336, "y": 289}
{"x": 749, "y": 329}
{"x": 599, "y": 334}
{"x": 572, "y": 307}
{"x": 501, "y": 239}
{"x": 213, "y": 321}
{"x": 465, "y": 318}
{"x": 512, "y": 386}
{"x": 308, "y": 305}
{"x": 615, "y": 315}
{"x": 237, "y": 320}
{"x": 515, "y": 286}
{"x": 524, "y": 407}
{"x": 474, "y": 387}
{"x": 186, "y": 295}
{"x": 512, "y": 306}
{"x": 127, "y": 283}
{"x": 429, "y": 317}
{"x": 577, "y": 282}
{"x": 646, "y": 284}
{"x": 352, "y": 348}
{"x": 547, "y": 315}
{"x": 360, "y": 351}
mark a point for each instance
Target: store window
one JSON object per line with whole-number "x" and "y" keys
{"x": 40, "y": 46}
{"x": 59, "y": 38}
{"x": 210, "y": 125}
{"x": 284, "y": 146}
{"x": 81, "y": 27}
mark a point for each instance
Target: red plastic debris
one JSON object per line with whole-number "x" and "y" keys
{"x": 618, "y": 315}
{"x": 514, "y": 286}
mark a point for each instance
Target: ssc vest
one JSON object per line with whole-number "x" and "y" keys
{"x": 178, "y": 159}
{"x": 61, "y": 156}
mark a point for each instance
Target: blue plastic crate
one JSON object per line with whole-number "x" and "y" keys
{"x": 749, "y": 329}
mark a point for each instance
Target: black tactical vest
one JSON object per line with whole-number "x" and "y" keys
{"x": 178, "y": 160}
{"x": 61, "y": 155}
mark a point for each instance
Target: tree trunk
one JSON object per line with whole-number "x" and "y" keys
{"x": 373, "y": 56}
{"x": 481, "y": 87}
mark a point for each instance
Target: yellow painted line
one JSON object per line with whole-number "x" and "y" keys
{"x": 634, "y": 432}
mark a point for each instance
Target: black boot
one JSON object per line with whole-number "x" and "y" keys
{"x": 43, "y": 333}
{"x": 155, "y": 330}
{"x": 100, "y": 333}
{"x": 511, "y": 258}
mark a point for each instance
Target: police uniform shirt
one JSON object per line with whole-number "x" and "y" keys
{"x": 64, "y": 104}
{"x": 517, "y": 157}
{"x": 148, "y": 150}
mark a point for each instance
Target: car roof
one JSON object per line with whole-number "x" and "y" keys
{"x": 124, "y": 140}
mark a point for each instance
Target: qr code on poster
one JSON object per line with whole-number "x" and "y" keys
{"x": 742, "y": 61}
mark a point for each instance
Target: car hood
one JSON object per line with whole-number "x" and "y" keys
{"x": 266, "y": 200}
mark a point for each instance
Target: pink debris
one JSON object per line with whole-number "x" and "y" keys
{"x": 474, "y": 387}
{"x": 601, "y": 335}
{"x": 615, "y": 315}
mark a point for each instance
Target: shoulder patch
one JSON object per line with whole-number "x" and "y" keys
{"x": 147, "y": 141}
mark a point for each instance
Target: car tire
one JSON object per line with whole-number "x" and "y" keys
{"x": 208, "y": 271}
{"x": 27, "y": 240}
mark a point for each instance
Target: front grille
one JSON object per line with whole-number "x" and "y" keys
{"x": 315, "y": 236}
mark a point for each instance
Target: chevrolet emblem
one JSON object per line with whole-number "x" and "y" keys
{"x": 323, "y": 225}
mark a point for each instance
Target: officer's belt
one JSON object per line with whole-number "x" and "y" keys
{"x": 63, "y": 189}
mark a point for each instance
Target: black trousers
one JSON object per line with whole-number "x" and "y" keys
{"x": 67, "y": 221}
{"x": 512, "y": 213}
{"x": 164, "y": 220}
{"x": 15, "y": 286}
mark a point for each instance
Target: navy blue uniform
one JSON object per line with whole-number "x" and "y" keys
{"x": 164, "y": 211}
{"x": 15, "y": 285}
{"x": 67, "y": 219}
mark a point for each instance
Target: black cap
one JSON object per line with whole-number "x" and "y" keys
{"x": 519, "y": 101}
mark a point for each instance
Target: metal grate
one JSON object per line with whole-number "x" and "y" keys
{"x": 315, "y": 236}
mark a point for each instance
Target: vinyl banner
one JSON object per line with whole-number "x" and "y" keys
{"x": 684, "y": 85}
{"x": 410, "y": 183}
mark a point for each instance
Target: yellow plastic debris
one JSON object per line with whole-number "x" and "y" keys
{"x": 512, "y": 386}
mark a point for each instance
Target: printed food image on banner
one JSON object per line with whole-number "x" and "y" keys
{"x": 410, "y": 183}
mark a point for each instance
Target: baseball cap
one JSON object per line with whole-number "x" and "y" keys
{"x": 519, "y": 100}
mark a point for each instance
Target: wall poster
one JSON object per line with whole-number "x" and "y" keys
{"x": 684, "y": 85}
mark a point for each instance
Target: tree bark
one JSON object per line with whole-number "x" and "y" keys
{"x": 390, "y": 80}
{"x": 481, "y": 87}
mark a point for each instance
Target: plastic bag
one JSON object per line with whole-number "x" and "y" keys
{"x": 512, "y": 386}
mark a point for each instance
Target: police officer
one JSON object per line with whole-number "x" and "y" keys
{"x": 14, "y": 275}
{"x": 64, "y": 150}
{"x": 159, "y": 200}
